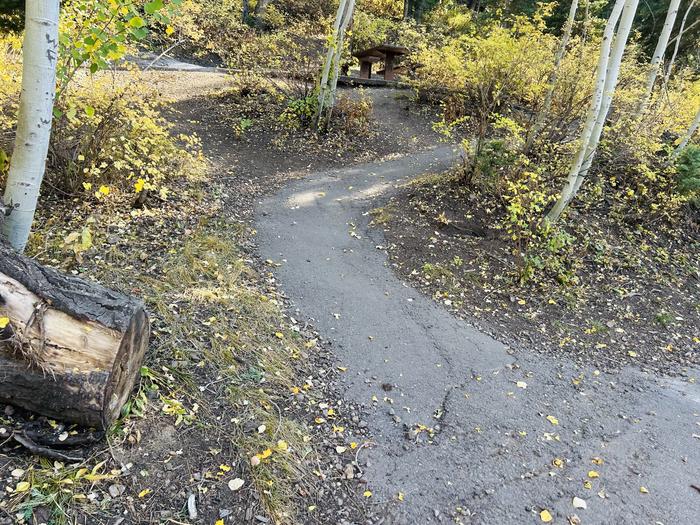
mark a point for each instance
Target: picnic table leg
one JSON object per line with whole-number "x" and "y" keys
{"x": 365, "y": 69}
{"x": 389, "y": 67}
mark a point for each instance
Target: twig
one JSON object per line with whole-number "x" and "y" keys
{"x": 357, "y": 454}
{"x": 37, "y": 450}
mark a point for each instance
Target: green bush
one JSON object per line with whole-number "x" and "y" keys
{"x": 688, "y": 167}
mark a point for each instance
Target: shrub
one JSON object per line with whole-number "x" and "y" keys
{"x": 109, "y": 138}
{"x": 353, "y": 116}
{"x": 688, "y": 168}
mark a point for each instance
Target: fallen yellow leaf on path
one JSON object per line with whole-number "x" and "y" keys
{"x": 593, "y": 474}
{"x": 553, "y": 420}
{"x": 644, "y": 490}
{"x": 545, "y": 516}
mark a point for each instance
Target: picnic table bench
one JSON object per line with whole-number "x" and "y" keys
{"x": 383, "y": 53}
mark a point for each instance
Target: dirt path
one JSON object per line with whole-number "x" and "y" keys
{"x": 465, "y": 430}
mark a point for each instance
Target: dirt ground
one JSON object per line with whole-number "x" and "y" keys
{"x": 635, "y": 303}
{"x": 200, "y": 415}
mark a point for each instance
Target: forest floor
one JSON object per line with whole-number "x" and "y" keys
{"x": 223, "y": 425}
{"x": 295, "y": 377}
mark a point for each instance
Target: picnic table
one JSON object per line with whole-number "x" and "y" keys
{"x": 383, "y": 53}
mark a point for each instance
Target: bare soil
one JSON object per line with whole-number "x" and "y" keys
{"x": 637, "y": 299}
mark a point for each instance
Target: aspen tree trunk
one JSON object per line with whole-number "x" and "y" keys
{"x": 688, "y": 135}
{"x": 324, "y": 87}
{"x": 678, "y": 38}
{"x": 544, "y": 112}
{"x": 246, "y": 11}
{"x": 658, "y": 56}
{"x": 347, "y": 18}
{"x": 568, "y": 192}
{"x": 611, "y": 77}
{"x": 40, "y": 52}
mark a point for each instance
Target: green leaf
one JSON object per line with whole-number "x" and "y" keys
{"x": 153, "y": 6}
{"x": 90, "y": 111}
{"x": 139, "y": 33}
{"x": 137, "y": 22}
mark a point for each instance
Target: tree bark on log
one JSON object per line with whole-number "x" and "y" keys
{"x": 70, "y": 349}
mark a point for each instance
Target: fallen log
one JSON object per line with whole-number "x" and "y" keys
{"x": 69, "y": 349}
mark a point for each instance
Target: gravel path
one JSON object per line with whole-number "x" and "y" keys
{"x": 464, "y": 429}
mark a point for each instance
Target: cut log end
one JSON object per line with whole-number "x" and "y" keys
{"x": 70, "y": 349}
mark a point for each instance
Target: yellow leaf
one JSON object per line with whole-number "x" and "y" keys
{"x": 219, "y": 522}
{"x": 144, "y": 493}
{"x": 400, "y": 496}
{"x": 282, "y": 445}
{"x": 553, "y": 420}
{"x": 87, "y": 186}
{"x": 22, "y": 486}
{"x": 169, "y": 31}
{"x": 644, "y": 490}
{"x": 558, "y": 462}
{"x": 367, "y": 493}
{"x": 632, "y": 354}
{"x": 587, "y": 484}
{"x": 593, "y": 474}
{"x": 545, "y": 516}
{"x": 139, "y": 185}
{"x": 279, "y": 335}
{"x": 4, "y": 321}
{"x": 597, "y": 461}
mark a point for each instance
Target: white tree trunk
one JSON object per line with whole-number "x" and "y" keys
{"x": 688, "y": 135}
{"x": 598, "y": 91}
{"x": 546, "y": 107}
{"x": 40, "y": 52}
{"x": 669, "y": 67}
{"x": 347, "y": 17}
{"x": 659, "y": 52}
{"x": 611, "y": 77}
{"x": 330, "y": 53}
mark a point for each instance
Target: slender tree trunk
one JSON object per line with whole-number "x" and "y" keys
{"x": 669, "y": 67}
{"x": 541, "y": 118}
{"x": 324, "y": 87}
{"x": 618, "y": 51}
{"x": 568, "y": 192}
{"x": 347, "y": 18}
{"x": 658, "y": 56}
{"x": 246, "y": 11}
{"x": 34, "y": 119}
{"x": 406, "y": 9}
{"x": 688, "y": 135}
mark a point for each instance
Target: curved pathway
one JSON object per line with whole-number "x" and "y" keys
{"x": 465, "y": 430}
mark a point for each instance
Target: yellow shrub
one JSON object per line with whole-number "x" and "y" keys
{"x": 113, "y": 138}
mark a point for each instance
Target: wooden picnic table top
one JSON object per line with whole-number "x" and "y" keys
{"x": 381, "y": 51}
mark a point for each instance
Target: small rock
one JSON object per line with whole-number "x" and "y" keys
{"x": 349, "y": 472}
{"x": 116, "y": 490}
{"x": 192, "y": 506}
